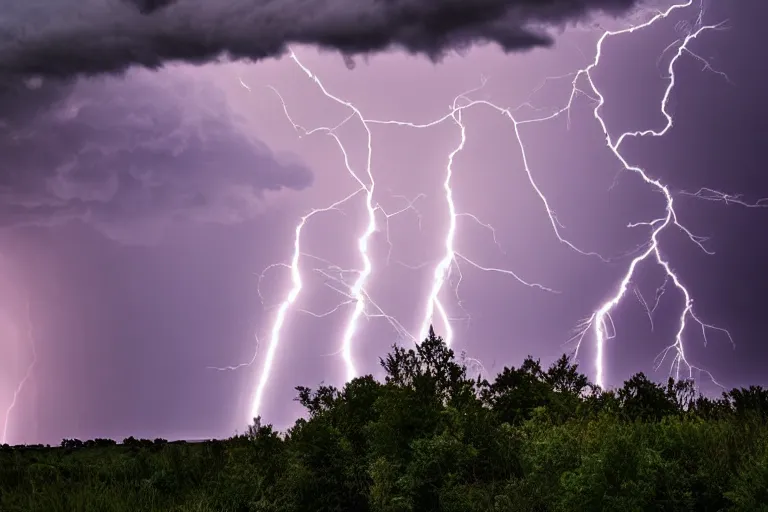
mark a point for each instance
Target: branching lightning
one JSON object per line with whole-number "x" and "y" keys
{"x": 600, "y": 324}
{"x": 601, "y": 321}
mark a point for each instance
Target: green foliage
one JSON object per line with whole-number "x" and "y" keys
{"x": 429, "y": 438}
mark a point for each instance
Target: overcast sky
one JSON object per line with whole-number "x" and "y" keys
{"x": 139, "y": 210}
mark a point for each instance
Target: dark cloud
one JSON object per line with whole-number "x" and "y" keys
{"x": 70, "y": 37}
{"x": 130, "y": 155}
{"x": 150, "y": 6}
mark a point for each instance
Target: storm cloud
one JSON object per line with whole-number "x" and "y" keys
{"x": 73, "y": 37}
{"x": 130, "y": 155}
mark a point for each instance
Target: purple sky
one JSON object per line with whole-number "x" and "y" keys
{"x": 138, "y": 258}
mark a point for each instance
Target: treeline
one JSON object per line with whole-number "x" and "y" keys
{"x": 128, "y": 441}
{"x": 431, "y": 438}
{"x": 92, "y": 443}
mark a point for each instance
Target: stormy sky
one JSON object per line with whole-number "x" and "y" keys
{"x": 144, "y": 189}
{"x": 72, "y": 37}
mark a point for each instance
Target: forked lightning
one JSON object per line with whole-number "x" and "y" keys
{"x": 600, "y": 324}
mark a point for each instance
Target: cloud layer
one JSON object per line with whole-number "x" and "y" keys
{"x": 131, "y": 154}
{"x": 72, "y": 37}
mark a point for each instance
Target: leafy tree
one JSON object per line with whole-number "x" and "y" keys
{"x": 430, "y": 370}
{"x": 515, "y": 393}
{"x": 643, "y": 399}
{"x": 748, "y": 401}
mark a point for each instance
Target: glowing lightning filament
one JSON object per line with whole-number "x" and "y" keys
{"x": 444, "y": 267}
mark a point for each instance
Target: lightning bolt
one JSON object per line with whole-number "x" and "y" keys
{"x": 599, "y": 324}
{"x": 355, "y": 294}
{"x": 601, "y": 321}
{"x": 443, "y": 268}
{"x": 23, "y": 381}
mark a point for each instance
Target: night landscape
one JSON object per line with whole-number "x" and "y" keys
{"x": 402, "y": 255}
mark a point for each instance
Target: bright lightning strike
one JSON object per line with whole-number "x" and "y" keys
{"x": 443, "y": 268}
{"x": 600, "y": 323}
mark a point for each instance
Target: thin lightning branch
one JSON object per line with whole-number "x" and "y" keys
{"x": 238, "y": 366}
{"x": 486, "y": 226}
{"x": 457, "y": 295}
{"x": 413, "y": 267}
{"x": 505, "y": 272}
{"x": 474, "y": 366}
{"x": 660, "y": 291}
{"x": 409, "y": 206}
{"x": 27, "y": 374}
{"x": 329, "y": 312}
{"x": 644, "y": 303}
{"x": 708, "y": 194}
{"x": 336, "y": 281}
{"x": 708, "y": 67}
{"x": 244, "y": 85}
{"x": 263, "y": 275}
